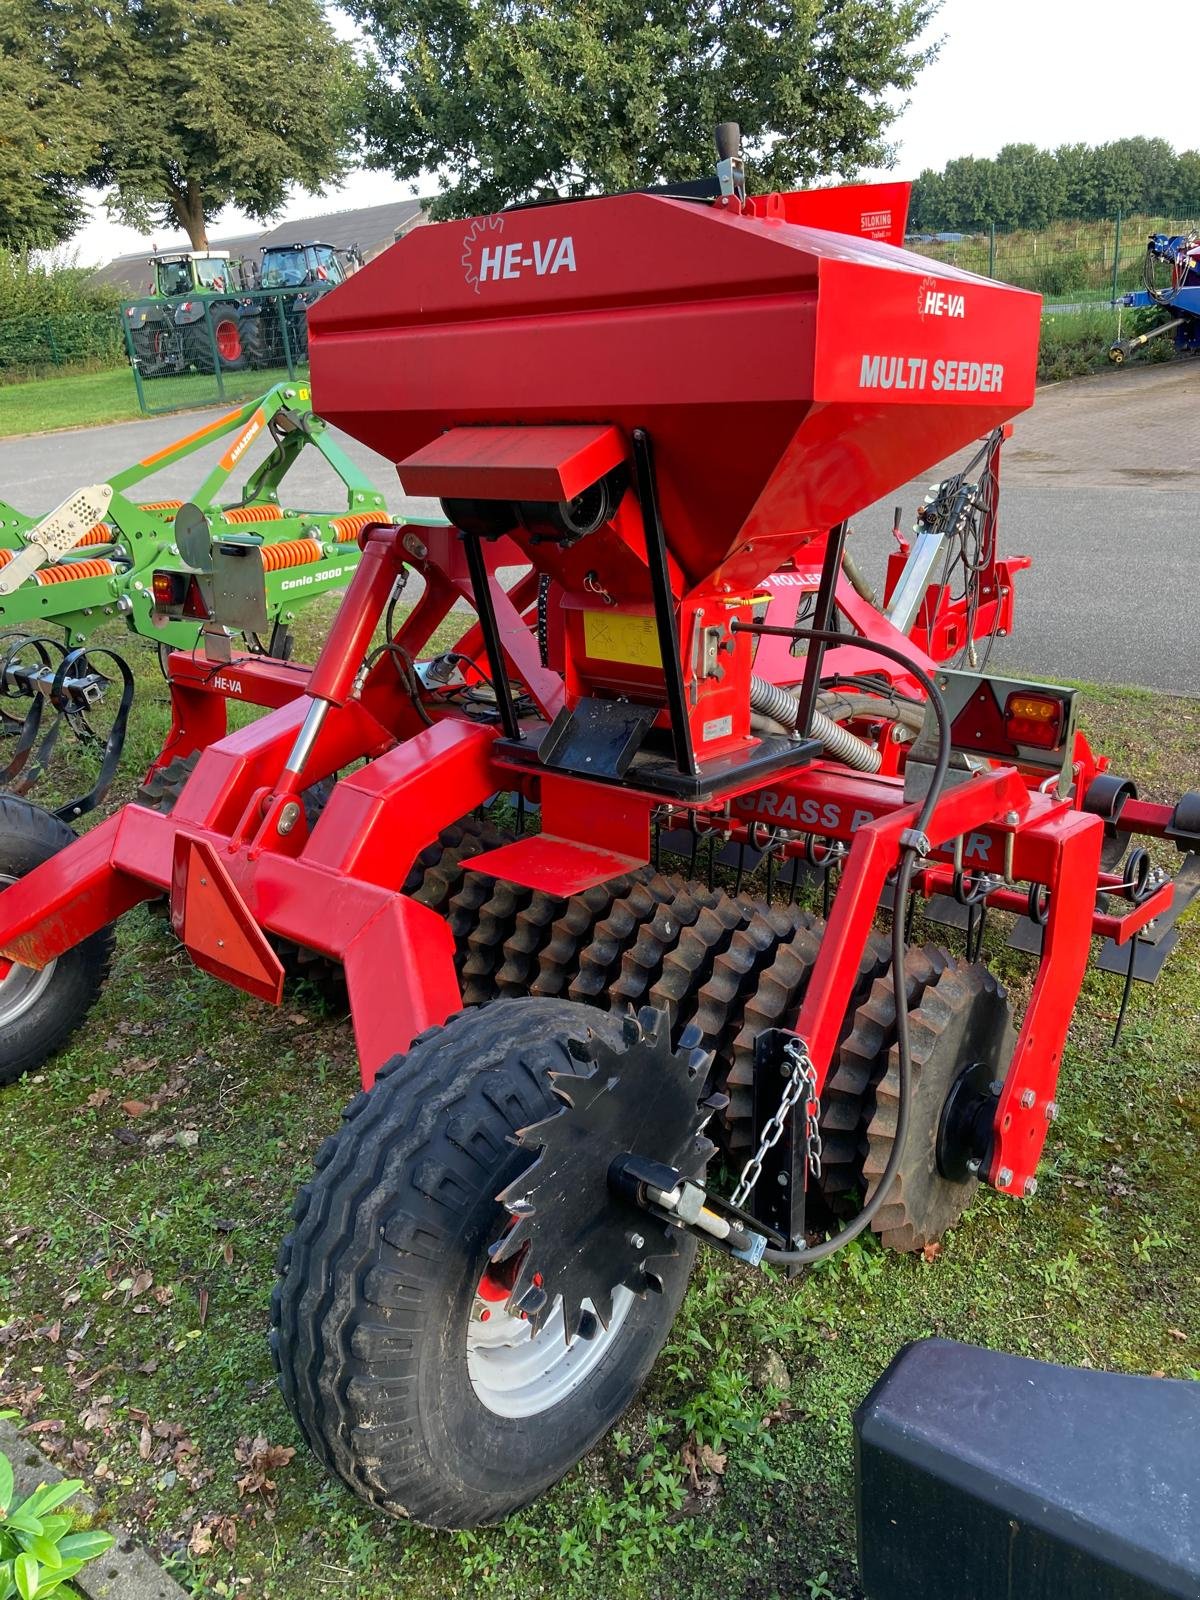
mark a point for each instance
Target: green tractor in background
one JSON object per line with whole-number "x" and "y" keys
{"x": 194, "y": 316}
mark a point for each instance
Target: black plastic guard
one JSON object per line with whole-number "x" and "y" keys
{"x": 983, "y": 1476}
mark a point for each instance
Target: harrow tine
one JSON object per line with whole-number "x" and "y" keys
{"x": 113, "y": 742}
{"x": 1126, "y": 991}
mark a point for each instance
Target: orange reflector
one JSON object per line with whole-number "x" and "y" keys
{"x": 1033, "y": 719}
{"x": 290, "y": 553}
{"x": 252, "y": 513}
{"x": 97, "y": 567}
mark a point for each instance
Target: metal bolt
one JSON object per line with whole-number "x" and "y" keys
{"x": 781, "y": 1179}
{"x": 415, "y": 547}
{"x": 220, "y": 944}
{"x": 1051, "y": 1110}
{"x": 1030, "y": 1188}
{"x": 1028, "y": 1100}
{"x": 288, "y": 817}
{"x": 1004, "y": 1177}
{"x": 1011, "y": 818}
{"x": 996, "y": 1088}
{"x": 973, "y": 1164}
{"x": 637, "y": 1241}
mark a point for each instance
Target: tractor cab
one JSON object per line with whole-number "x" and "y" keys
{"x": 303, "y": 266}
{"x": 194, "y": 272}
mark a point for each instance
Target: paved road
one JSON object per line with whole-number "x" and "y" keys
{"x": 1101, "y": 486}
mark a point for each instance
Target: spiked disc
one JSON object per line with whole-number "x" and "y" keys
{"x": 572, "y": 1235}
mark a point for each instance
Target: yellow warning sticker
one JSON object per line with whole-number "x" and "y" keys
{"x": 615, "y": 636}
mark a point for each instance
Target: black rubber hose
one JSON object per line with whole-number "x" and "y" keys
{"x": 810, "y": 1254}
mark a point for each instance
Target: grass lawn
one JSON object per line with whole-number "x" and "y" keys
{"x": 86, "y": 399}
{"x": 78, "y": 400}
{"x": 145, "y": 1182}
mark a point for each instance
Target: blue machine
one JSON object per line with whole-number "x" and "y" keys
{"x": 1180, "y": 298}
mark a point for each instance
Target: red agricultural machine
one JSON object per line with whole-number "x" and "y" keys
{"x": 658, "y": 410}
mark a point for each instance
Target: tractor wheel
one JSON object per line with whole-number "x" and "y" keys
{"x": 254, "y": 342}
{"x": 198, "y": 347}
{"x": 152, "y": 349}
{"x": 961, "y": 1024}
{"x": 40, "y": 1010}
{"x": 228, "y": 336}
{"x": 396, "y": 1353}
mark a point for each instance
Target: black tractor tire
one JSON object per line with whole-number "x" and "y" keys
{"x": 197, "y": 347}
{"x": 254, "y": 342}
{"x": 42, "y": 1010}
{"x": 152, "y": 349}
{"x": 379, "y": 1277}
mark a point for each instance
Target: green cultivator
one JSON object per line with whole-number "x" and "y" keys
{"x": 180, "y": 573}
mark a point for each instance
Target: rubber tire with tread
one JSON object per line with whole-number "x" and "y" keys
{"x": 28, "y": 837}
{"x": 378, "y": 1277}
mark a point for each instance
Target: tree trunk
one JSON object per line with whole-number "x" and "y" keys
{"x": 188, "y": 207}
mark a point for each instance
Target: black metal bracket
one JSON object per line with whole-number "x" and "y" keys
{"x": 822, "y": 622}
{"x": 664, "y": 605}
{"x": 490, "y": 628}
{"x": 778, "y": 1198}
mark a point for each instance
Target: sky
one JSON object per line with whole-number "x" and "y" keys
{"x": 1045, "y": 72}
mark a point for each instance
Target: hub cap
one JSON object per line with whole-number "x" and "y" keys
{"x": 20, "y": 987}
{"x": 517, "y": 1372}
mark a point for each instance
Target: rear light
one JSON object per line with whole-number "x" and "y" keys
{"x": 194, "y": 604}
{"x": 169, "y": 589}
{"x": 1034, "y": 719}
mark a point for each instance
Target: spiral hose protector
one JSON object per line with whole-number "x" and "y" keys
{"x": 769, "y": 700}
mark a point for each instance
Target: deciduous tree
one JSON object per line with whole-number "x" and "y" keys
{"x": 508, "y": 99}
{"x": 218, "y": 102}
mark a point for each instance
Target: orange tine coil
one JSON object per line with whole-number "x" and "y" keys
{"x": 99, "y": 533}
{"x": 349, "y": 528}
{"x": 162, "y": 505}
{"x": 6, "y": 556}
{"x": 290, "y": 553}
{"x": 97, "y": 567}
{"x": 252, "y": 513}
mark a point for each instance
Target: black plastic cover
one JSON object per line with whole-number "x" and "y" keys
{"x": 983, "y": 1476}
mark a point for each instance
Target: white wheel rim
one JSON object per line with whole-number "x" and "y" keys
{"x": 21, "y": 987}
{"x": 517, "y": 1373}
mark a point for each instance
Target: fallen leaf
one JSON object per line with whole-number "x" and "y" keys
{"x": 1177, "y": 1333}
{"x": 141, "y": 1283}
{"x": 260, "y": 1459}
{"x": 203, "y": 1306}
{"x": 99, "y": 1097}
{"x": 134, "y": 1108}
{"x": 932, "y": 1251}
{"x": 227, "y": 1253}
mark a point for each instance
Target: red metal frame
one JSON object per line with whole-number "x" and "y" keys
{"x": 748, "y": 493}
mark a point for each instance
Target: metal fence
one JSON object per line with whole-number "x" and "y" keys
{"x": 31, "y": 343}
{"x": 1071, "y": 263}
{"x": 213, "y": 348}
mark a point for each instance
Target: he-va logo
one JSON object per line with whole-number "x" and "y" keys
{"x": 486, "y": 258}
{"x": 935, "y": 302}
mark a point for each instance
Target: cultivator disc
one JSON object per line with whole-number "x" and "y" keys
{"x": 575, "y": 1237}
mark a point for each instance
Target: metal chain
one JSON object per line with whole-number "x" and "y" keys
{"x": 802, "y": 1081}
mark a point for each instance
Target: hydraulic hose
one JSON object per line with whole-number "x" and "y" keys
{"x": 811, "y": 1254}
{"x": 771, "y": 701}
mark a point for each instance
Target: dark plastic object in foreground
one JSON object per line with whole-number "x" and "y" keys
{"x": 983, "y": 1476}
